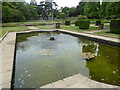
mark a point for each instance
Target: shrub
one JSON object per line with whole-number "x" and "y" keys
{"x": 76, "y": 23}
{"x": 98, "y": 23}
{"x": 84, "y": 24}
{"x": 105, "y": 21}
{"x": 115, "y": 26}
{"x": 82, "y": 17}
{"x": 67, "y": 22}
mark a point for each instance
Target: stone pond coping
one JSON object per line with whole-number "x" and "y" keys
{"x": 7, "y": 60}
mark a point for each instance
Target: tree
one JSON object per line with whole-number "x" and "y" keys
{"x": 47, "y": 8}
{"x": 18, "y": 11}
{"x": 62, "y": 15}
{"x": 80, "y": 8}
{"x": 72, "y": 12}
{"x": 65, "y": 10}
{"x": 112, "y": 9}
{"x": 91, "y": 9}
{"x": 102, "y": 11}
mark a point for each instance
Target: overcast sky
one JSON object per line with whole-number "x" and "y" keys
{"x": 63, "y": 3}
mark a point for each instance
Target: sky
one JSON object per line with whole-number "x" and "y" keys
{"x": 63, "y": 3}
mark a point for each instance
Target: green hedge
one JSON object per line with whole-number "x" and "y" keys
{"x": 115, "y": 26}
{"x": 67, "y": 22}
{"x": 98, "y": 23}
{"x": 76, "y": 23}
{"x": 84, "y": 24}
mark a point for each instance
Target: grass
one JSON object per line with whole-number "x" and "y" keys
{"x": 76, "y": 28}
{"x": 36, "y": 22}
{"x": 107, "y": 24}
{"x": 107, "y": 33}
{"x": 6, "y": 29}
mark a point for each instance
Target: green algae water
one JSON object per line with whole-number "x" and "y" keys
{"x": 40, "y": 61}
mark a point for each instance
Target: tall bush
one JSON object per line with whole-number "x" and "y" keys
{"x": 115, "y": 26}
{"x": 67, "y": 22}
{"x": 98, "y": 22}
{"x": 84, "y": 24}
{"x": 76, "y": 23}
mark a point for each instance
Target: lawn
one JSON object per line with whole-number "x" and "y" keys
{"x": 107, "y": 33}
{"x": 107, "y": 24}
{"x": 76, "y": 28}
{"x": 6, "y": 29}
{"x": 36, "y": 22}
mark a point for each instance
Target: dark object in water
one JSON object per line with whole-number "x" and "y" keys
{"x": 52, "y": 38}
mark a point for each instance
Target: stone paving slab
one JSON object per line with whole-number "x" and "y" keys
{"x": 32, "y": 27}
{"x": 7, "y": 58}
{"x": 78, "y": 81}
{"x": 95, "y": 31}
{"x": 78, "y": 85}
{"x": 110, "y": 39}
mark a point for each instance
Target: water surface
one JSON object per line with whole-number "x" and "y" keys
{"x": 40, "y": 61}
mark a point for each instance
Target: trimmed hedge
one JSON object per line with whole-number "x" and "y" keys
{"x": 98, "y": 23}
{"x": 76, "y": 23}
{"x": 67, "y": 22}
{"x": 115, "y": 26}
{"x": 84, "y": 24}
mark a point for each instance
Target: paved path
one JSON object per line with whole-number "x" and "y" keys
{"x": 110, "y": 39}
{"x": 95, "y": 31}
{"x": 6, "y": 59}
{"x": 32, "y": 27}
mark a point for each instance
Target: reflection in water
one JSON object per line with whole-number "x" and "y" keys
{"x": 40, "y": 61}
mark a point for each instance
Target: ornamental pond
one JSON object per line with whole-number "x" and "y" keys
{"x": 40, "y": 61}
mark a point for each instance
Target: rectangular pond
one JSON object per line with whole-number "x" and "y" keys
{"x": 40, "y": 61}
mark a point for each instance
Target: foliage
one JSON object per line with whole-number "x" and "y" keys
{"x": 80, "y": 8}
{"x": 62, "y": 15}
{"x": 115, "y": 26}
{"x": 112, "y": 9}
{"x": 72, "y": 12}
{"x": 98, "y": 22}
{"x": 82, "y": 17}
{"x": 76, "y": 23}
{"x": 89, "y": 48}
{"x": 65, "y": 10}
{"x": 17, "y": 11}
{"x": 47, "y": 9}
{"x": 91, "y": 9}
{"x": 84, "y": 24}
{"x": 21, "y": 11}
{"x": 67, "y": 22}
